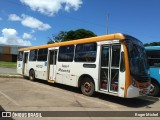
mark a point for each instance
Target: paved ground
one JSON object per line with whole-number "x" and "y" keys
{"x": 23, "y": 95}
{"x": 8, "y": 70}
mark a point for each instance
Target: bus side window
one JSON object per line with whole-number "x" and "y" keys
{"x": 42, "y": 54}
{"x": 66, "y": 53}
{"x": 20, "y": 56}
{"x": 33, "y": 55}
{"x": 153, "y": 57}
{"x": 86, "y": 52}
{"x": 55, "y": 57}
{"x": 26, "y": 57}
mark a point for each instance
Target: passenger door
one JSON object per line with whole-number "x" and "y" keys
{"x": 52, "y": 64}
{"x": 20, "y": 63}
{"x": 109, "y": 70}
{"x": 25, "y": 61}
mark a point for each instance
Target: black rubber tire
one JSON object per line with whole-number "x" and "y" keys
{"x": 32, "y": 75}
{"x": 87, "y": 86}
{"x": 156, "y": 90}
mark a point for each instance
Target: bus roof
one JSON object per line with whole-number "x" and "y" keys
{"x": 117, "y": 36}
{"x": 152, "y": 48}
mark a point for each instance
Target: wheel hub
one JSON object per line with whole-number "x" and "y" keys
{"x": 87, "y": 87}
{"x": 152, "y": 88}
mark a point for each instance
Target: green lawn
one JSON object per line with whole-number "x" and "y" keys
{"x": 8, "y": 64}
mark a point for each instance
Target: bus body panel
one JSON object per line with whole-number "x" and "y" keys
{"x": 20, "y": 67}
{"x": 69, "y": 73}
{"x": 155, "y": 73}
{"x": 132, "y": 92}
{"x": 40, "y": 69}
{"x": 122, "y": 78}
{"x": 135, "y": 92}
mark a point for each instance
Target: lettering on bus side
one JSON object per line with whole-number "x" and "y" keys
{"x": 65, "y": 68}
{"x": 39, "y": 66}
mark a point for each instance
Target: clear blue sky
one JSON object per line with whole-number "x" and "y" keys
{"x": 28, "y": 22}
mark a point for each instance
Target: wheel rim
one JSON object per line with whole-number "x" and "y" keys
{"x": 87, "y": 87}
{"x": 152, "y": 88}
{"x": 31, "y": 75}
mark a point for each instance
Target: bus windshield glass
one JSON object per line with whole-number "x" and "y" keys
{"x": 138, "y": 60}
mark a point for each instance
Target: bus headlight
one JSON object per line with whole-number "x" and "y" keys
{"x": 134, "y": 82}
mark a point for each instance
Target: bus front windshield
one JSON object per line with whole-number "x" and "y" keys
{"x": 138, "y": 60}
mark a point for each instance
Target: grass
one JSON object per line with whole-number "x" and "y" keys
{"x": 8, "y": 64}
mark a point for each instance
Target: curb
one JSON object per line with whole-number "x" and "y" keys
{"x": 11, "y": 75}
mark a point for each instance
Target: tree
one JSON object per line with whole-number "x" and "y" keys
{"x": 58, "y": 38}
{"x": 78, "y": 34}
{"x": 71, "y": 35}
{"x": 152, "y": 44}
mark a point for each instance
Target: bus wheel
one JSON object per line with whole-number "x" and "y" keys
{"x": 155, "y": 90}
{"x": 32, "y": 75}
{"x": 87, "y": 86}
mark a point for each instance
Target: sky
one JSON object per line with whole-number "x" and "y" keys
{"x": 32, "y": 22}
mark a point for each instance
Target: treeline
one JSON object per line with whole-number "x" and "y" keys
{"x": 152, "y": 44}
{"x": 71, "y": 35}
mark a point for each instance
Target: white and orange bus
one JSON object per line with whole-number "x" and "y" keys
{"x": 113, "y": 64}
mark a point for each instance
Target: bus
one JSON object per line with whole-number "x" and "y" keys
{"x": 153, "y": 54}
{"x": 114, "y": 64}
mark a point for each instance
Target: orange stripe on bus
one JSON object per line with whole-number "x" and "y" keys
{"x": 128, "y": 81}
{"x": 117, "y": 36}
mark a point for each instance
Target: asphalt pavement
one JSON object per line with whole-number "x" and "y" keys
{"x": 8, "y": 70}
{"x": 56, "y": 101}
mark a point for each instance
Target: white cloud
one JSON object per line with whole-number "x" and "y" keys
{"x": 9, "y": 36}
{"x": 29, "y": 21}
{"x": 9, "y": 33}
{"x": 28, "y": 36}
{"x": 14, "y": 17}
{"x": 32, "y": 31}
{"x": 1, "y": 19}
{"x": 51, "y": 7}
{"x": 34, "y": 23}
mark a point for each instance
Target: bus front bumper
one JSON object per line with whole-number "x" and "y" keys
{"x": 136, "y": 92}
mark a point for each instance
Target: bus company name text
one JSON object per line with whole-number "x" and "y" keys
{"x": 64, "y": 68}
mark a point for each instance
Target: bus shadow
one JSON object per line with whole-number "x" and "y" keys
{"x": 61, "y": 86}
{"x": 143, "y": 101}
